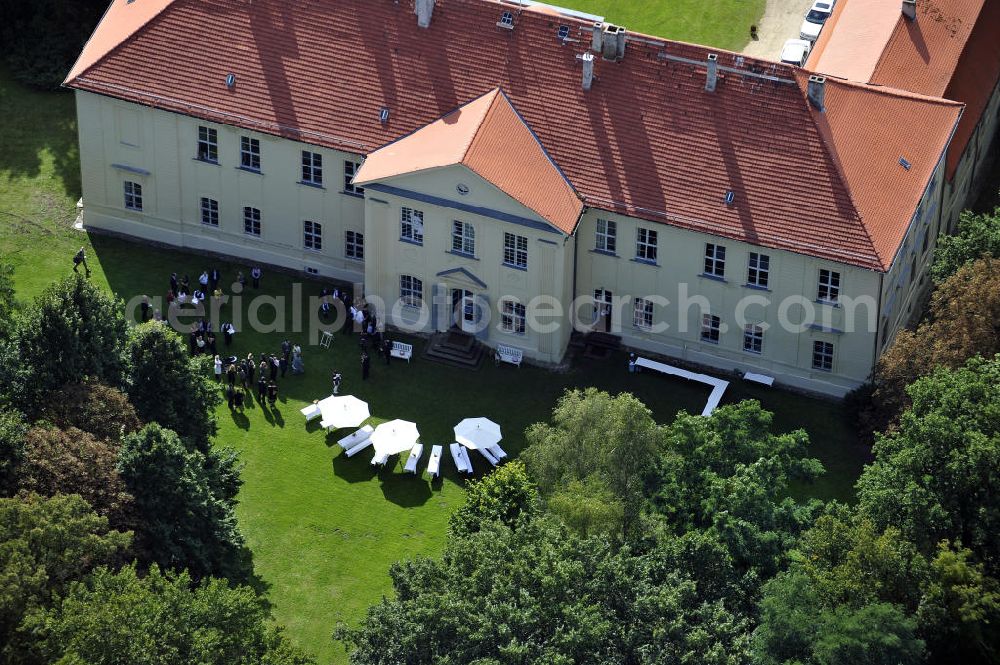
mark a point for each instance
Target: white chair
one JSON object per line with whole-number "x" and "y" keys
{"x": 380, "y": 460}
{"x": 489, "y": 456}
{"x": 311, "y": 412}
{"x": 434, "y": 465}
{"x": 456, "y": 454}
{"x": 498, "y": 452}
{"x": 351, "y": 452}
{"x": 356, "y": 438}
{"x": 326, "y": 339}
{"x": 402, "y": 351}
{"x": 415, "y": 453}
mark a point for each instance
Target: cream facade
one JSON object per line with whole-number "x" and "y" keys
{"x": 486, "y": 263}
{"x": 157, "y": 150}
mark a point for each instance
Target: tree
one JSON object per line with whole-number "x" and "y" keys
{"x": 168, "y": 387}
{"x": 72, "y": 331}
{"x": 74, "y": 462}
{"x": 978, "y": 236}
{"x": 963, "y": 321}
{"x": 13, "y": 428}
{"x": 159, "y": 618}
{"x": 613, "y": 441}
{"x": 799, "y": 627}
{"x": 935, "y": 476}
{"x": 507, "y": 496}
{"x": 729, "y": 474}
{"x": 45, "y": 543}
{"x": 542, "y": 594}
{"x": 186, "y": 501}
{"x": 93, "y": 407}
{"x": 8, "y": 303}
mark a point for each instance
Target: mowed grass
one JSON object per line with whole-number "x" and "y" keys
{"x": 721, "y": 23}
{"x": 323, "y": 529}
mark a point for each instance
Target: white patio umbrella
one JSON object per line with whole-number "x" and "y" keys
{"x": 393, "y": 437}
{"x": 478, "y": 433}
{"x": 343, "y": 411}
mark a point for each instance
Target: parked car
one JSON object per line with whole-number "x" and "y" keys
{"x": 813, "y": 23}
{"x": 796, "y": 51}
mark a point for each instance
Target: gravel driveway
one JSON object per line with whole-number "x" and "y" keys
{"x": 781, "y": 21}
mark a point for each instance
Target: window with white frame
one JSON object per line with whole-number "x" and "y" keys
{"x": 607, "y": 236}
{"x": 209, "y": 211}
{"x": 250, "y": 153}
{"x": 512, "y": 317}
{"x": 515, "y": 251}
{"x": 642, "y": 314}
{"x": 411, "y": 290}
{"x": 208, "y": 144}
{"x": 463, "y": 238}
{"x": 354, "y": 245}
{"x": 758, "y": 270}
{"x": 411, "y": 225}
{"x": 645, "y": 245}
{"x": 715, "y": 260}
{"x": 829, "y": 286}
{"x": 251, "y": 221}
{"x": 823, "y": 356}
{"x": 710, "y": 327}
{"x": 753, "y": 338}
{"x": 312, "y": 235}
{"x": 350, "y": 170}
{"x": 312, "y": 168}
{"x": 133, "y": 195}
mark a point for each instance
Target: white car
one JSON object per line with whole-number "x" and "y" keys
{"x": 813, "y": 23}
{"x": 796, "y": 51}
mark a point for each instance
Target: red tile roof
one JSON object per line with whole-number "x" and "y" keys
{"x": 647, "y": 140}
{"x": 951, "y": 50}
{"x": 488, "y": 137}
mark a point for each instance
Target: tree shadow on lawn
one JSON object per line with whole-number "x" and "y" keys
{"x": 404, "y": 489}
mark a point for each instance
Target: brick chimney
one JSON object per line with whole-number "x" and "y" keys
{"x": 817, "y": 92}
{"x": 712, "y": 75}
{"x": 588, "y": 70}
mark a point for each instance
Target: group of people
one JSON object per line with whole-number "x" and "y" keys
{"x": 240, "y": 374}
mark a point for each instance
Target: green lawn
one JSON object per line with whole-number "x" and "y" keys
{"x": 324, "y": 529}
{"x": 721, "y": 23}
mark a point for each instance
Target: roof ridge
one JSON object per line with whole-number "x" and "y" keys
{"x": 482, "y": 121}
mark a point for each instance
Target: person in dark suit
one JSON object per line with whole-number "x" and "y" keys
{"x": 261, "y": 388}
{"x": 366, "y": 365}
{"x": 144, "y": 308}
{"x": 387, "y": 350}
{"x": 230, "y": 396}
{"x": 273, "y": 366}
{"x": 272, "y": 393}
{"x": 283, "y": 365}
{"x": 214, "y": 278}
{"x": 231, "y": 374}
{"x": 337, "y": 378}
{"x": 238, "y": 399}
{"x": 286, "y": 349}
{"x": 173, "y": 282}
{"x": 255, "y": 274}
{"x": 251, "y": 367}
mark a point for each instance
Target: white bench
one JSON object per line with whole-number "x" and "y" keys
{"x": 434, "y": 465}
{"x": 759, "y": 378}
{"x": 411, "y": 462}
{"x": 508, "y": 354}
{"x": 351, "y": 452}
{"x": 311, "y": 412}
{"x": 498, "y": 452}
{"x": 718, "y": 385}
{"x": 464, "y": 452}
{"x": 356, "y": 438}
{"x": 401, "y": 350}
{"x": 460, "y": 463}
{"x": 380, "y": 460}
{"x": 490, "y": 457}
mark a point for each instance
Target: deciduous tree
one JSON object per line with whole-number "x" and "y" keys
{"x": 93, "y": 407}
{"x": 44, "y": 544}
{"x": 186, "y": 502}
{"x": 978, "y": 236}
{"x": 169, "y": 387}
{"x": 160, "y": 618}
